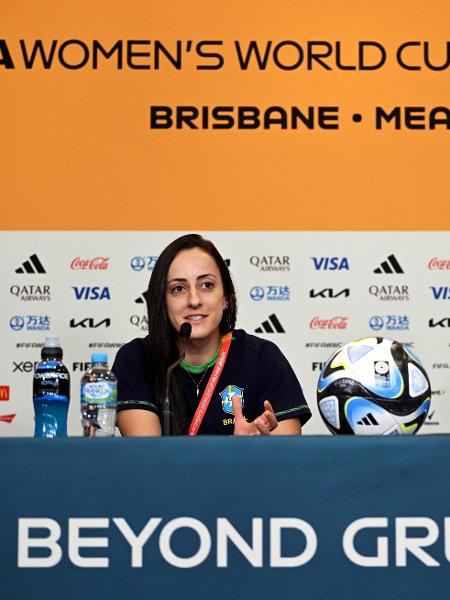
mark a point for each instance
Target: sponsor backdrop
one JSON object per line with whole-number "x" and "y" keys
{"x": 309, "y": 292}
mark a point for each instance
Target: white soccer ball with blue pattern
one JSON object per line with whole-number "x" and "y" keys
{"x": 373, "y": 386}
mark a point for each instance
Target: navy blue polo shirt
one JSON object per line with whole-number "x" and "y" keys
{"x": 255, "y": 370}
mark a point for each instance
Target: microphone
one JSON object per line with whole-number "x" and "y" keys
{"x": 184, "y": 333}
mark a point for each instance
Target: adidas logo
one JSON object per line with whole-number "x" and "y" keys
{"x": 272, "y": 325}
{"x": 390, "y": 265}
{"x": 32, "y": 265}
{"x": 141, "y": 299}
{"x": 369, "y": 419}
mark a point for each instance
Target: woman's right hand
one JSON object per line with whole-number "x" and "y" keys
{"x": 262, "y": 425}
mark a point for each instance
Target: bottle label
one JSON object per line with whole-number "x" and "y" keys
{"x": 99, "y": 392}
{"x": 51, "y": 375}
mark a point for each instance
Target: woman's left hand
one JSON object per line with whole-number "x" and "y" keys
{"x": 262, "y": 425}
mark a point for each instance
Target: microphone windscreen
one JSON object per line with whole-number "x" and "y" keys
{"x": 185, "y": 330}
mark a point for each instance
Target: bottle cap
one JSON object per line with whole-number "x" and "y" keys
{"x": 99, "y": 357}
{"x": 51, "y": 349}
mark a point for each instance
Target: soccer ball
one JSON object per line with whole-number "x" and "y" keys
{"x": 373, "y": 386}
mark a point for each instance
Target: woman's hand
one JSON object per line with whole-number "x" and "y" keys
{"x": 262, "y": 425}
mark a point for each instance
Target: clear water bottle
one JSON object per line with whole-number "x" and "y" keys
{"x": 98, "y": 398}
{"x": 51, "y": 392}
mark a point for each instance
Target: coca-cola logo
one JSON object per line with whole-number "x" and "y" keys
{"x": 439, "y": 263}
{"x": 99, "y": 263}
{"x": 333, "y": 323}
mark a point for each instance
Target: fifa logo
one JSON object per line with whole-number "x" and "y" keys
{"x": 381, "y": 369}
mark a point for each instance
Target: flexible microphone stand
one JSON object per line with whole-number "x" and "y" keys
{"x": 185, "y": 332}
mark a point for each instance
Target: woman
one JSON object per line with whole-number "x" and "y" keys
{"x": 256, "y": 391}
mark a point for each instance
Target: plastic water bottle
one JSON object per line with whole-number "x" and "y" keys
{"x": 51, "y": 392}
{"x": 98, "y": 398}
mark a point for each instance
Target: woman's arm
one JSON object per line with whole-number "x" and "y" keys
{"x": 135, "y": 422}
{"x": 288, "y": 427}
{"x": 265, "y": 424}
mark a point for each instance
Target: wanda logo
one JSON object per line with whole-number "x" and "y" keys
{"x": 333, "y": 323}
{"x": 99, "y": 263}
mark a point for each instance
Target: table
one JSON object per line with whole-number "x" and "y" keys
{"x": 223, "y": 517}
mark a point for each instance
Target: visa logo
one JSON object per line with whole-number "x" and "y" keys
{"x": 330, "y": 263}
{"x": 441, "y": 293}
{"x": 91, "y": 293}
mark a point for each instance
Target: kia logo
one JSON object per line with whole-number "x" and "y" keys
{"x": 89, "y": 323}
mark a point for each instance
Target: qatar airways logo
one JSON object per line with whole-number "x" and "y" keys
{"x": 265, "y": 540}
{"x": 271, "y": 263}
{"x": 31, "y": 292}
{"x": 439, "y": 264}
{"x": 333, "y": 323}
{"x": 390, "y": 292}
{"x": 139, "y": 321}
{"x": 99, "y": 263}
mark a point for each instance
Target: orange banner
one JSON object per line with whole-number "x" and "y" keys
{"x": 206, "y": 116}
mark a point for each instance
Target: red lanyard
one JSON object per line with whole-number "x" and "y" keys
{"x": 211, "y": 385}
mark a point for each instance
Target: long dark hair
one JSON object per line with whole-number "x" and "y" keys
{"x": 162, "y": 339}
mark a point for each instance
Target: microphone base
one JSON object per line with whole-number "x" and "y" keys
{"x": 166, "y": 418}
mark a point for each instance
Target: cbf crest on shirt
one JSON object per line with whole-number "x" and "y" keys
{"x": 227, "y": 393}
